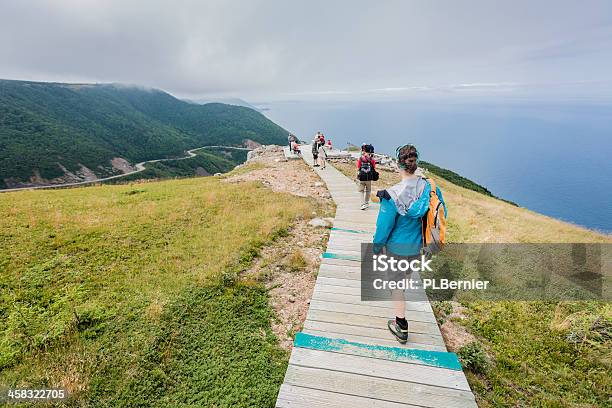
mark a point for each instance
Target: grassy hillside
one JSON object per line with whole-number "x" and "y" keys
{"x": 45, "y": 125}
{"x": 127, "y": 295}
{"x": 459, "y": 180}
{"x": 545, "y": 354}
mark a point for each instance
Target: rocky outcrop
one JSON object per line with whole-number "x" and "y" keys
{"x": 250, "y": 144}
{"x": 271, "y": 151}
{"x": 124, "y": 166}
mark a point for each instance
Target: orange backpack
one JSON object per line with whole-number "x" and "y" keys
{"x": 434, "y": 221}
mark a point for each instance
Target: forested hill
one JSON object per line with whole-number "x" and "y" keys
{"x": 49, "y": 129}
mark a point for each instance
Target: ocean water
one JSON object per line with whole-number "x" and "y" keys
{"x": 551, "y": 158}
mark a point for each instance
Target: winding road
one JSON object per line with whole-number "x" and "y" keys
{"x": 139, "y": 167}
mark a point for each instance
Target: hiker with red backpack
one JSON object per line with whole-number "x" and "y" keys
{"x": 411, "y": 220}
{"x": 321, "y": 138}
{"x": 366, "y": 173}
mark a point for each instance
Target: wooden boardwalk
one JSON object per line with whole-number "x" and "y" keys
{"x": 345, "y": 356}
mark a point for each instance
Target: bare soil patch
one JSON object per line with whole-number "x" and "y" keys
{"x": 289, "y": 267}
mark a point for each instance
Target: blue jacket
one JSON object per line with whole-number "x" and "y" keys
{"x": 402, "y": 234}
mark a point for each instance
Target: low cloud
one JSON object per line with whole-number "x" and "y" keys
{"x": 262, "y": 49}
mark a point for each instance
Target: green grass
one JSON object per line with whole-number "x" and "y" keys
{"x": 130, "y": 296}
{"x": 213, "y": 347}
{"x": 538, "y": 363}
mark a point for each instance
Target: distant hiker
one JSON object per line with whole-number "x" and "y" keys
{"x": 399, "y": 226}
{"x": 292, "y": 141}
{"x": 315, "y": 151}
{"x": 366, "y": 172}
{"x": 329, "y": 144}
{"x": 295, "y": 148}
{"x": 322, "y": 155}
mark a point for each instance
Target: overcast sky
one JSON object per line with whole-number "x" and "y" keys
{"x": 299, "y": 49}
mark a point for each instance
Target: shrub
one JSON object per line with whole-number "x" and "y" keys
{"x": 297, "y": 261}
{"x": 473, "y": 357}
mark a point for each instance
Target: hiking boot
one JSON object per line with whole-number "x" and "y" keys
{"x": 400, "y": 334}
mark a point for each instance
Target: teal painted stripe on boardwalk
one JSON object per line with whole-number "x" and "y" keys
{"x": 352, "y": 231}
{"x": 330, "y": 255}
{"x": 426, "y": 357}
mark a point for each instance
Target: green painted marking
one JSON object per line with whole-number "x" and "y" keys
{"x": 330, "y": 255}
{"x": 350, "y": 230}
{"x": 426, "y": 357}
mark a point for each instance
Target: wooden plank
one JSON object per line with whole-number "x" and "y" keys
{"x": 346, "y": 274}
{"x": 337, "y": 239}
{"x": 356, "y": 220}
{"x": 422, "y": 306}
{"x": 342, "y": 255}
{"x": 353, "y": 247}
{"x": 370, "y": 311}
{"x": 357, "y": 223}
{"x": 379, "y": 388}
{"x": 377, "y": 298}
{"x": 381, "y": 368}
{"x": 375, "y": 333}
{"x": 346, "y": 289}
{"x": 334, "y": 271}
{"x": 415, "y": 300}
{"x": 329, "y": 265}
{"x": 346, "y": 237}
{"x": 367, "y": 321}
{"x": 351, "y": 231}
{"x": 338, "y": 282}
{"x": 391, "y": 341}
{"x": 356, "y": 290}
{"x": 291, "y": 396}
{"x": 353, "y": 244}
{"x": 414, "y": 295}
{"x": 346, "y": 262}
{"x": 441, "y": 359}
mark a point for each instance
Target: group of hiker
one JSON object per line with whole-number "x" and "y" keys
{"x": 411, "y": 217}
{"x": 319, "y": 147}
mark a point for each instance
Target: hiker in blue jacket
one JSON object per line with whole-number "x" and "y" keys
{"x": 398, "y": 227}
